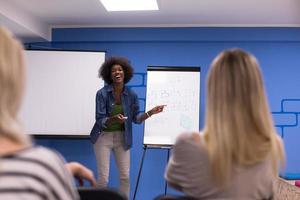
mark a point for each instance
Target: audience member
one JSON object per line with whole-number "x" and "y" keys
{"x": 238, "y": 153}
{"x": 27, "y": 171}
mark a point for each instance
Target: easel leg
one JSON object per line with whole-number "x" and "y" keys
{"x": 166, "y": 184}
{"x": 140, "y": 171}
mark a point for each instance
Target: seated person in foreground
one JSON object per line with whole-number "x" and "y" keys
{"x": 27, "y": 172}
{"x": 237, "y": 155}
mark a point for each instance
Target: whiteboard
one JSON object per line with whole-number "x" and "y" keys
{"x": 179, "y": 89}
{"x": 60, "y": 92}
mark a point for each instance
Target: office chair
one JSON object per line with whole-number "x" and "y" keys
{"x": 86, "y": 193}
{"x": 173, "y": 197}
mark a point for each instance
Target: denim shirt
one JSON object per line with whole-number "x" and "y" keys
{"x": 104, "y": 106}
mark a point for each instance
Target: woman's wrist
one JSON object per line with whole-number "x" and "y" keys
{"x": 148, "y": 113}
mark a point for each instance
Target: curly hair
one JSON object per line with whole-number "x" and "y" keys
{"x": 105, "y": 69}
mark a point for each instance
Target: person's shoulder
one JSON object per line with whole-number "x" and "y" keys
{"x": 104, "y": 90}
{"x": 44, "y": 154}
{"x": 43, "y": 150}
{"x": 129, "y": 91}
{"x": 188, "y": 138}
{"x": 188, "y": 146}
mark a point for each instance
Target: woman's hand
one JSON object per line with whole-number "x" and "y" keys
{"x": 81, "y": 173}
{"x": 119, "y": 118}
{"x": 156, "y": 109}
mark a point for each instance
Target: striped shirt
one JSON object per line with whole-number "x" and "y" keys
{"x": 35, "y": 173}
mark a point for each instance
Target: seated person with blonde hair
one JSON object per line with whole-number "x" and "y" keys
{"x": 238, "y": 153}
{"x": 27, "y": 172}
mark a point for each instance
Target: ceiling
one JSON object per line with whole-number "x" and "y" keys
{"x": 32, "y": 20}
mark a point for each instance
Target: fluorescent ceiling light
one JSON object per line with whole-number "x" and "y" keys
{"x": 129, "y": 5}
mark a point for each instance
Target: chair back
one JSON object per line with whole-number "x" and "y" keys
{"x": 87, "y": 193}
{"x": 173, "y": 197}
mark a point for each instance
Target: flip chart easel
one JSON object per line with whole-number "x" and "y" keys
{"x": 145, "y": 147}
{"x": 179, "y": 89}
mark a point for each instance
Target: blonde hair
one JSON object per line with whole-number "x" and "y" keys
{"x": 11, "y": 87}
{"x": 239, "y": 129}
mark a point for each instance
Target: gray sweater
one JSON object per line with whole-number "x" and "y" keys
{"x": 189, "y": 169}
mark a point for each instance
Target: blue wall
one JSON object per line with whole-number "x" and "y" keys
{"x": 277, "y": 49}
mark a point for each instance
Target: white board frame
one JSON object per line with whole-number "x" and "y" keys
{"x": 160, "y": 125}
{"x": 60, "y": 90}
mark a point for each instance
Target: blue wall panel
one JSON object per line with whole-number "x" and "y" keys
{"x": 277, "y": 50}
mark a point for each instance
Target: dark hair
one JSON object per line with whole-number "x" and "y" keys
{"x": 105, "y": 69}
